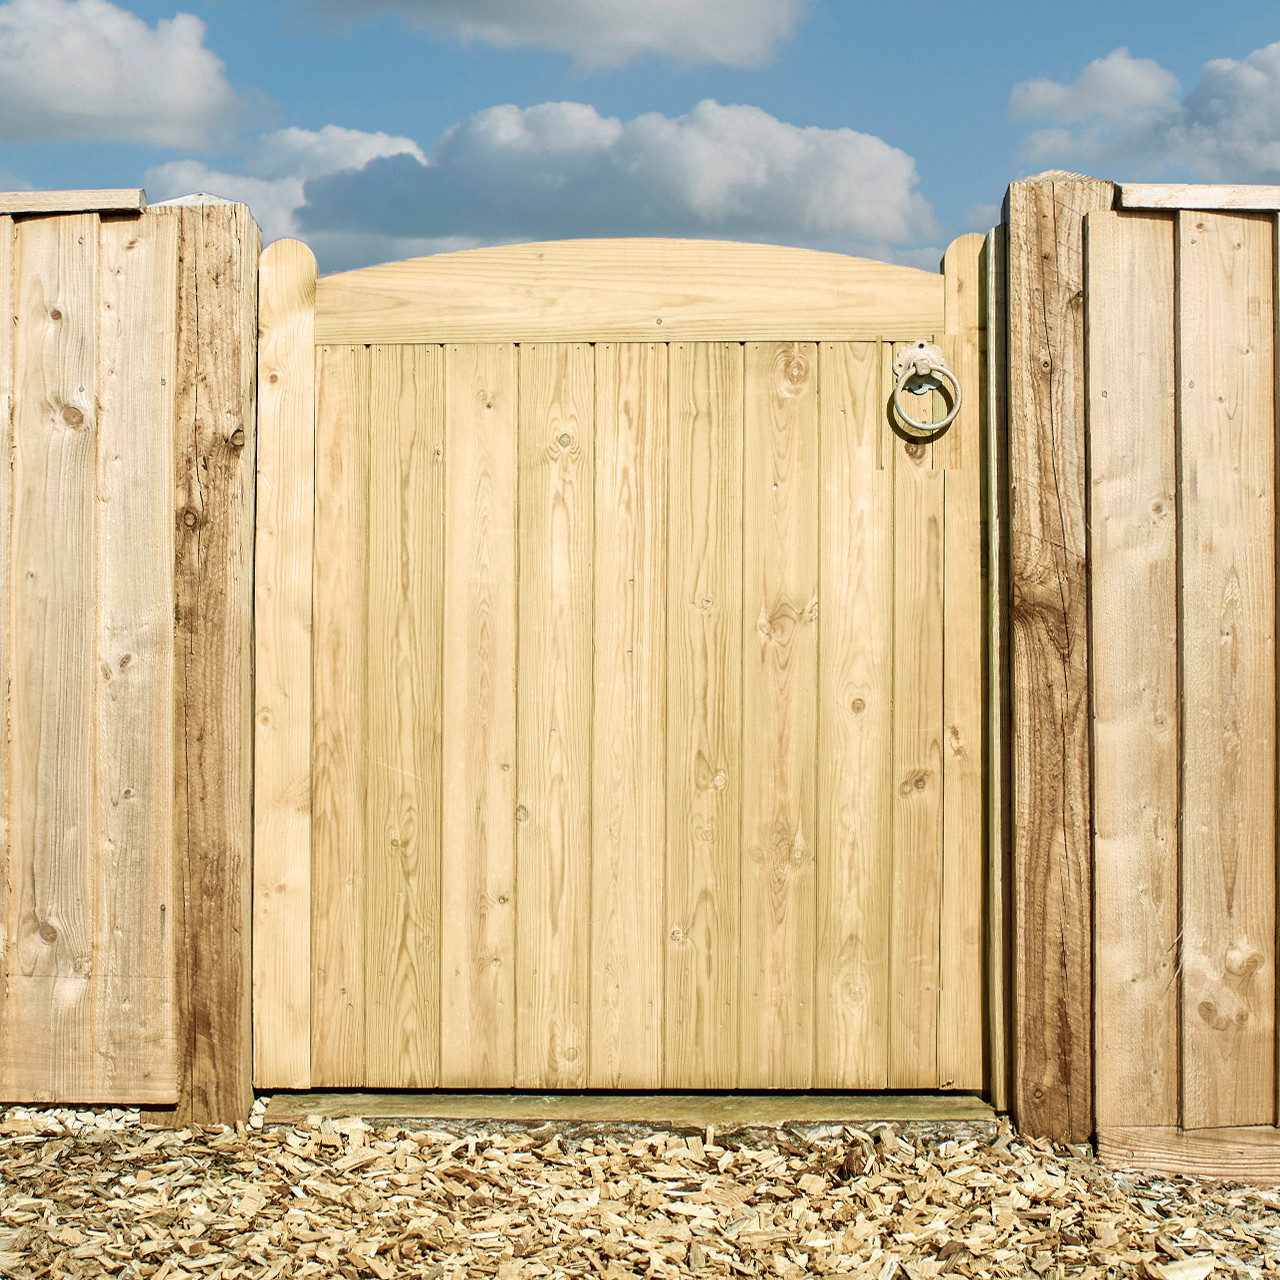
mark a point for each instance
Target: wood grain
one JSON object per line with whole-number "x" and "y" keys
{"x": 963, "y": 942}
{"x": 111, "y": 200}
{"x": 995, "y": 506}
{"x": 629, "y": 802}
{"x": 478, "y": 995}
{"x": 1226, "y": 352}
{"x": 402, "y": 843}
{"x": 214, "y": 451}
{"x": 8, "y": 862}
{"x": 1192, "y": 195}
{"x": 627, "y": 291}
{"x": 855, "y": 687}
{"x": 554, "y": 704}
{"x": 779, "y": 714}
{"x": 918, "y": 783}
{"x": 53, "y": 979}
{"x": 1237, "y": 1154}
{"x": 135, "y": 1039}
{"x": 1132, "y": 388}
{"x": 704, "y": 714}
{"x": 1052, "y": 1094}
{"x": 340, "y": 745}
{"x": 283, "y": 553}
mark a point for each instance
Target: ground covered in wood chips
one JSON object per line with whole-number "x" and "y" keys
{"x": 92, "y": 1194}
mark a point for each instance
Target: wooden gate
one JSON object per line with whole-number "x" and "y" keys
{"x": 620, "y": 711}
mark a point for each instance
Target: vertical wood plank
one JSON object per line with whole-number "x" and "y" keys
{"x": 1053, "y": 997}
{"x": 962, "y": 950}
{"x": 478, "y": 1027}
{"x": 779, "y": 713}
{"x": 283, "y": 552}
{"x": 704, "y": 715}
{"x": 402, "y": 835}
{"x": 214, "y": 452}
{"x": 1129, "y": 328}
{"x": 340, "y": 742}
{"x": 918, "y": 621}
{"x": 49, "y": 1034}
{"x": 855, "y": 683}
{"x": 1226, "y": 352}
{"x": 133, "y": 947}
{"x": 628, "y": 830}
{"x": 8, "y": 862}
{"x": 554, "y": 694}
{"x": 995, "y": 505}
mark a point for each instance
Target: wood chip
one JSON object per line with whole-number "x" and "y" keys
{"x": 343, "y": 1199}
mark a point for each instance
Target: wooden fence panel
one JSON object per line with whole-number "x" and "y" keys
{"x": 53, "y": 986}
{"x": 855, "y": 684}
{"x": 1226, "y": 336}
{"x": 556, "y": 434}
{"x": 704, "y": 714}
{"x": 779, "y": 714}
{"x": 1133, "y": 519}
{"x": 629, "y": 791}
{"x": 402, "y": 843}
{"x": 283, "y": 553}
{"x": 340, "y": 744}
{"x": 478, "y": 964}
{"x": 963, "y": 934}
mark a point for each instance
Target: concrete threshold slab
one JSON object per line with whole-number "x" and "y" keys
{"x": 724, "y": 1111}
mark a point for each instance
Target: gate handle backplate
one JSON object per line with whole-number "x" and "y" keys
{"x": 923, "y": 365}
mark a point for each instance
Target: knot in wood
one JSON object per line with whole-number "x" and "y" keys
{"x": 48, "y": 933}
{"x": 237, "y": 438}
{"x": 858, "y": 706}
{"x": 189, "y": 518}
{"x": 73, "y": 417}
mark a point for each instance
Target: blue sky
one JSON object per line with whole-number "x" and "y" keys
{"x": 380, "y": 129}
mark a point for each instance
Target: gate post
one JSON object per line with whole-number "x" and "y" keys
{"x": 1048, "y": 635}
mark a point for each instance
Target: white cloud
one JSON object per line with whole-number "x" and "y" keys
{"x": 1118, "y": 88}
{"x": 275, "y": 169}
{"x": 561, "y": 170}
{"x": 1129, "y": 113}
{"x": 86, "y": 70}
{"x": 741, "y": 33}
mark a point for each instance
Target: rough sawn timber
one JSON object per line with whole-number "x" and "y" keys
{"x": 1053, "y": 1085}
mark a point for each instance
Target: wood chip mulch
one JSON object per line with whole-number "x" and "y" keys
{"x": 98, "y": 1196}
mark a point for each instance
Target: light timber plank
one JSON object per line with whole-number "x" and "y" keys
{"x": 1236, "y": 1154}
{"x": 8, "y": 863}
{"x": 133, "y": 946}
{"x": 113, "y": 200}
{"x": 1225, "y": 343}
{"x": 1132, "y": 389}
{"x": 962, "y": 950}
{"x": 477, "y": 1002}
{"x": 855, "y": 684}
{"x": 918, "y": 784}
{"x": 704, "y": 714}
{"x": 1052, "y": 1093}
{"x": 996, "y": 513}
{"x": 340, "y": 749}
{"x": 626, "y": 291}
{"x": 214, "y": 449}
{"x": 283, "y": 554}
{"x": 688, "y": 1112}
{"x": 52, "y": 905}
{"x": 1192, "y": 195}
{"x": 628, "y": 830}
{"x": 402, "y": 849}
{"x": 554, "y": 696}
{"x": 779, "y": 714}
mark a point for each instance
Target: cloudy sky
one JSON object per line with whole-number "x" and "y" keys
{"x": 381, "y": 129}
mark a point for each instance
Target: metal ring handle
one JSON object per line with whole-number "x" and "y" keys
{"x": 926, "y": 428}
